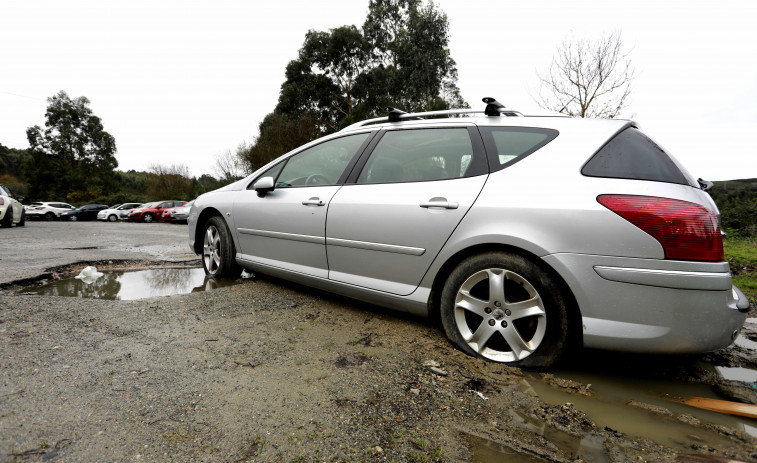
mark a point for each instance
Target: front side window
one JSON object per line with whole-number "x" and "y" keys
{"x": 319, "y": 165}
{"x": 419, "y": 155}
{"x": 507, "y": 145}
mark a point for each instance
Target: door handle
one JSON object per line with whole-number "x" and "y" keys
{"x": 314, "y": 201}
{"x": 439, "y": 202}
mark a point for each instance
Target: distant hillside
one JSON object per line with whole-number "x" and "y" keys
{"x": 737, "y": 201}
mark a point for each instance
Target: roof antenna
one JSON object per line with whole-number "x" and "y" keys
{"x": 492, "y": 106}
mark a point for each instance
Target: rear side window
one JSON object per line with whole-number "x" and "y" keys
{"x": 632, "y": 155}
{"x": 421, "y": 155}
{"x": 507, "y": 145}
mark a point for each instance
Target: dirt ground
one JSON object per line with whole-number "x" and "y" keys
{"x": 272, "y": 372}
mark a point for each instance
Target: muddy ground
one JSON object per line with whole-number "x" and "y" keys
{"x": 269, "y": 371}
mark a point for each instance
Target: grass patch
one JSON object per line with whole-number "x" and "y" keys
{"x": 740, "y": 250}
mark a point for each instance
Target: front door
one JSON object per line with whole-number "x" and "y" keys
{"x": 286, "y": 228}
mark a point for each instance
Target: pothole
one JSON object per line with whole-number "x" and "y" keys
{"x": 133, "y": 284}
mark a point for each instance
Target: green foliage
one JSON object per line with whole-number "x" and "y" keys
{"x": 740, "y": 250}
{"x": 279, "y": 134}
{"x": 737, "y": 201}
{"x": 399, "y": 58}
{"x": 73, "y": 158}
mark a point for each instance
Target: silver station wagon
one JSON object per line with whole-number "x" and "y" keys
{"x": 527, "y": 236}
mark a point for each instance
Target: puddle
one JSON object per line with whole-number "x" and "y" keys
{"x": 610, "y": 406}
{"x": 131, "y": 285}
{"x": 738, "y": 374}
{"x": 745, "y": 343}
{"x": 589, "y": 447}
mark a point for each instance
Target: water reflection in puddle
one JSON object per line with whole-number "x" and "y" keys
{"x": 619, "y": 402}
{"x": 131, "y": 285}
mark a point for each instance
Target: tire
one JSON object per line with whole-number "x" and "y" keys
{"x": 147, "y": 218}
{"x": 22, "y": 222}
{"x": 112, "y": 218}
{"x": 218, "y": 253}
{"x": 525, "y": 322}
{"x": 49, "y": 216}
{"x": 7, "y": 221}
{"x": 73, "y": 218}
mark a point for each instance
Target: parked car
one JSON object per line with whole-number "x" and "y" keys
{"x": 527, "y": 236}
{"x": 11, "y": 210}
{"x": 152, "y": 211}
{"x": 85, "y": 212}
{"x": 47, "y": 210}
{"x": 180, "y": 214}
{"x": 170, "y": 213}
{"x": 119, "y": 211}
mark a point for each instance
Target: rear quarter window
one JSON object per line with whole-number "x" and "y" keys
{"x": 507, "y": 145}
{"x": 632, "y": 155}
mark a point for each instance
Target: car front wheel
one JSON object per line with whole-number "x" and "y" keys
{"x": 147, "y": 218}
{"x": 218, "y": 254}
{"x": 49, "y": 216}
{"x": 505, "y": 308}
{"x": 112, "y": 218}
{"x": 73, "y": 218}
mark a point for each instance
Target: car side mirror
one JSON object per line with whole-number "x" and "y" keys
{"x": 263, "y": 186}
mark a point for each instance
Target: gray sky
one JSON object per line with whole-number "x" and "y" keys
{"x": 179, "y": 82}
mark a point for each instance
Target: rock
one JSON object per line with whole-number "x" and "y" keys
{"x": 437, "y": 371}
{"x": 430, "y": 363}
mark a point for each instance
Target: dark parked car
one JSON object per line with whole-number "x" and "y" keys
{"x": 85, "y": 212}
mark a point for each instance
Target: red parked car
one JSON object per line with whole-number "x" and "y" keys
{"x": 152, "y": 211}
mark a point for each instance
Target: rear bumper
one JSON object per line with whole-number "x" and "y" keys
{"x": 648, "y": 305}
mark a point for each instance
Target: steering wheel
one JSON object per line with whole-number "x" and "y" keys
{"x": 316, "y": 179}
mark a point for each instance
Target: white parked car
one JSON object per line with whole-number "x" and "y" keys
{"x": 527, "y": 236}
{"x": 47, "y": 210}
{"x": 11, "y": 210}
{"x": 119, "y": 211}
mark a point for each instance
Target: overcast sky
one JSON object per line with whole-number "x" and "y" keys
{"x": 179, "y": 82}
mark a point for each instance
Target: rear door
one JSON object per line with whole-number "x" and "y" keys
{"x": 387, "y": 223}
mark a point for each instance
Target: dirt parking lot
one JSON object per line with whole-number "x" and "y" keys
{"x": 268, "y": 371}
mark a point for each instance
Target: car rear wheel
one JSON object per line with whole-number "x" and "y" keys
{"x": 147, "y": 218}
{"x": 218, "y": 254}
{"x": 505, "y": 308}
{"x": 7, "y": 221}
{"x": 112, "y": 218}
{"x": 49, "y": 216}
{"x": 22, "y": 222}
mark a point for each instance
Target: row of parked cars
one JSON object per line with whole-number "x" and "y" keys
{"x": 166, "y": 211}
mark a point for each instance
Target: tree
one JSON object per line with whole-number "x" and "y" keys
{"x": 279, "y": 134}
{"x": 588, "y": 79}
{"x": 400, "y": 58}
{"x": 231, "y": 165}
{"x": 74, "y": 154}
{"x": 170, "y": 182}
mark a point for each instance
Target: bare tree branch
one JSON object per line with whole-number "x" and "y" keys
{"x": 588, "y": 79}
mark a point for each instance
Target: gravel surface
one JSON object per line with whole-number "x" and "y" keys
{"x": 269, "y": 371}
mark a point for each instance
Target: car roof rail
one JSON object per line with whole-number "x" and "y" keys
{"x": 493, "y": 108}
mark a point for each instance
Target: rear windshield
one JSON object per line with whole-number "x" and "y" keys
{"x": 507, "y": 145}
{"x": 632, "y": 155}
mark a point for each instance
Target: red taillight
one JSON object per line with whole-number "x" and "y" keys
{"x": 686, "y": 231}
{"x": 2, "y": 201}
